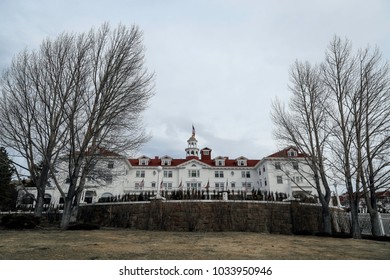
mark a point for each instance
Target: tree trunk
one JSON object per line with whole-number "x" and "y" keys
{"x": 41, "y": 188}
{"x": 67, "y": 214}
{"x": 39, "y": 205}
{"x": 376, "y": 228}
{"x": 355, "y": 227}
{"x": 326, "y": 218}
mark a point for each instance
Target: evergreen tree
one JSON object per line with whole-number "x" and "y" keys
{"x": 7, "y": 191}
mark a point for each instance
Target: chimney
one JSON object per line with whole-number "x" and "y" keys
{"x": 205, "y": 154}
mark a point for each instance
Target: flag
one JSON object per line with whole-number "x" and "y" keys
{"x": 162, "y": 185}
{"x": 208, "y": 185}
{"x": 193, "y": 130}
{"x": 141, "y": 185}
{"x": 180, "y": 185}
{"x": 227, "y": 184}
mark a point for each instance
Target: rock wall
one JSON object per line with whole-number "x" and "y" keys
{"x": 254, "y": 216}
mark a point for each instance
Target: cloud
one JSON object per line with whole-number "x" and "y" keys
{"x": 218, "y": 64}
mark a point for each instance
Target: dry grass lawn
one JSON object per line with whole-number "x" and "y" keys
{"x": 122, "y": 244}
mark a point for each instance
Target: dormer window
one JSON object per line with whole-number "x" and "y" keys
{"x": 143, "y": 161}
{"x": 292, "y": 153}
{"x": 242, "y": 161}
{"x": 220, "y": 161}
{"x": 166, "y": 160}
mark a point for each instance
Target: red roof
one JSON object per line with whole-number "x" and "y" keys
{"x": 284, "y": 153}
{"x": 175, "y": 162}
{"x": 100, "y": 152}
{"x": 383, "y": 194}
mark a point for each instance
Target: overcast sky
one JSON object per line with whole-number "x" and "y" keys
{"x": 218, "y": 64}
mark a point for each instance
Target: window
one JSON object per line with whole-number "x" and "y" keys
{"x": 265, "y": 182}
{"x": 233, "y": 185}
{"x": 108, "y": 178}
{"x": 110, "y": 165}
{"x": 107, "y": 194}
{"x": 292, "y": 153}
{"x": 153, "y": 184}
{"x": 67, "y": 180}
{"x": 247, "y": 185}
{"x": 168, "y": 173}
{"x": 259, "y": 171}
{"x": 263, "y": 168}
{"x": 166, "y": 162}
{"x": 88, "y": 198}
{"x": 220, "y": 163}
{"x": 143, "y": 161}
{"x": 193, "y": 173}
{"x": 194, "y": 186}
{"x": 219, "y": 186}
{"x": 277, "y": 165}
{"x": 297, "y": 179}
{"x": 140, "y": 174}
{"x": 218, "y": 174}
{"x": 47, "y": 198}
{"x": 279, "y": 179}
{"x": 295, "y": 165}
{"x": 245, "y": 174}
{"x": 242, "y": 162}
{"x": 206, "y": 152}
{"x": 167, "y": 186}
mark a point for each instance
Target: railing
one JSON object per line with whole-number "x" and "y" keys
{"x": 343, "y": 223}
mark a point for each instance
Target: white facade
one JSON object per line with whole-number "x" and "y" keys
{"x": 114, "y": 175}
{"x": 287, "y": 171}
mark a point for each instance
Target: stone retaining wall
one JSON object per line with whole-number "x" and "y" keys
{"x": 254, "y": 216}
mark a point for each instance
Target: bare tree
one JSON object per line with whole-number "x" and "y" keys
{"x": 341, "y": 110}
{"x": 303, "y": 126}
{"x": 106, "y": 110}
{"x": 77, "y": 94}
{"x": 34, "y": 91}
{"x": 339, "y": 76}
{"x": 371, "y": 109}
{"x": 358, "y": 85}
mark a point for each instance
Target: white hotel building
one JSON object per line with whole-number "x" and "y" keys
{"x": 115, "y": 175}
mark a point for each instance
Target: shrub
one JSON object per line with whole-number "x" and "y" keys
{"x": 83, "y": 226}
{"x": 20, "y": 221}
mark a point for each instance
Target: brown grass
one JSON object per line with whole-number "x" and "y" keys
{"x": 122, "y": 244}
